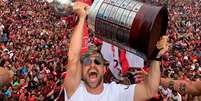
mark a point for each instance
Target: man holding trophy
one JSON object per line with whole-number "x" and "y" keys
{"x": 84, "y": 79}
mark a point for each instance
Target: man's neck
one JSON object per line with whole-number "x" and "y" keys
{"x": 95, "y": 91}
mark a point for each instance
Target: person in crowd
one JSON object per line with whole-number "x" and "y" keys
{"x": 5, "y": 76}
{"x": 183, "y": 86}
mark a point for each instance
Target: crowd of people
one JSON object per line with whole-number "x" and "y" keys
{"x": 34, "y": 43}
{"x": 35, "y": 40}
{"x": 183, "y": 62}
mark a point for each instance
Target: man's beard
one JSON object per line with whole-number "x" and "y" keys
{"x": 95, "y": 84}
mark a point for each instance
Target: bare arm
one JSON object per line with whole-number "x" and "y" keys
{"x": 149, "y": 87}
{"x": 191, "y": 87}
{"x": 5, "y": 75}
{"x": 72, "y": 80}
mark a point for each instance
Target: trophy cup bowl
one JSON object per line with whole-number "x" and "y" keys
{"x": 127, "y": 24}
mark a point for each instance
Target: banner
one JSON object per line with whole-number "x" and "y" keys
{"x": 120, "y": 60}
{"x": 85, "y": 31}
{"x": 89, "y": 2}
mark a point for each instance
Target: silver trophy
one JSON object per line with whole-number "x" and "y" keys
{"x": 128, "y": 24}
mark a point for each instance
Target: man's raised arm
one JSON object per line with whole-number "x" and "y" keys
{"x": 149, "y": 87}
{"x": 73, "y": 77}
